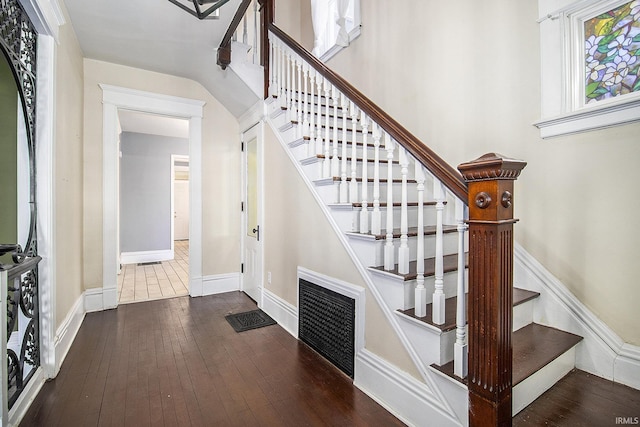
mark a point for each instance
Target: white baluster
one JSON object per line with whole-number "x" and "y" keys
{"x": 299, "y": 96}
{"x": 421, "y": 291}
{"x": 312, "y": 117}
{"x": 403, "y": 251}
{"x": 305, "y": 102}
{"x": 376, "y": 215}
{"x": 319, "y": 147}
{"x": 460, "y": 349}
{"x": 271, "y": 67}
{"x": 255, "y": 32}
{"x": 244, "y": 29}
{"x": 353, "y": 182}
{"x": 288, "y": 62}
{"x": 438, "y": 294}
{"x": 364, "y": 213}
{"x": 389, "y": 256}
{"x": 283, "y": 77}
{"x": 344, "y": 185}
{"x": 335, "y": 161}
{"x": 326, "y": 165}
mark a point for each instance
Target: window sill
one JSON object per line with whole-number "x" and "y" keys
{"x": 590, "y": 118}
{"x": 353, "y": 34}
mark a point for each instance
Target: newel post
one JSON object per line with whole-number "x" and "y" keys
{"x": 490, "y": 310}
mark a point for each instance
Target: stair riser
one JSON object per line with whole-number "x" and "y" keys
{"x": 432, "y": 346}
{"x": 531, "y": 388}
{"x": 523, "y": 315}
{"x": 371, "y": 252}
{"x": 412, "y": 193}
{"x": 400, "y": 294}
{"x": 351, "y": 216}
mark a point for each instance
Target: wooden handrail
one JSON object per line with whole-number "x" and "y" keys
{"x": 434, "y": 163}
{"x": 224, "y": 51}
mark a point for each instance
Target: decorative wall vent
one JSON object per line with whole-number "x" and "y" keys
{"x": 326, "y": 322}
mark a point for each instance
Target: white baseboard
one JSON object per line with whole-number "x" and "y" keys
{"x": 29, "y": 393}
{"x": 281, "y": 311}
{"x": 404, "y": 396}
{"x": 626, "y": 368}
{"x": 220, "y": 283}
{"x": 602, "y": 352}
{"x": 93, "y": 300}
{"x": 146, "y": 256}
{"x": 67, "y": 331}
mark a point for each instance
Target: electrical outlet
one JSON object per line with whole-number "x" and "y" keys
{"x": 268, "y": 277}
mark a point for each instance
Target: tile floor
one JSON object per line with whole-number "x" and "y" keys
{"x": 165, "y": 280}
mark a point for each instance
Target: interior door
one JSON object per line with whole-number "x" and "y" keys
{"x": 252, "y": 277}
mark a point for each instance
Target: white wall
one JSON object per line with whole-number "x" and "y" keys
{"x": 68, "y": 172}
{"x": 145, "y": 190}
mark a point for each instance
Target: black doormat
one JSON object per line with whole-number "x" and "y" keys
{"x": 249, "y": 320}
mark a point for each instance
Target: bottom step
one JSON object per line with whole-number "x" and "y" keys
{"x": 582, "y": 399}
{"x": 541, "y": 357}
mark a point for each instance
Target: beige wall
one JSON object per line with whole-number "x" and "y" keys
{"x": 68, "y": 183}
{"x": 220, "y": 165}
{"x": 298, "y": 234}
{"x": 464, "y": 77}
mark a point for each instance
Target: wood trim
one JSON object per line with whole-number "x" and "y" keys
{"x": 490, "y": 380}
{"x": 434, "y": 163}
{"x": 267, "y": 16}
{"x": 224, "y": 51}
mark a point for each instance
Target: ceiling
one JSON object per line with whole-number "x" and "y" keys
{"x": 158, "y": 36}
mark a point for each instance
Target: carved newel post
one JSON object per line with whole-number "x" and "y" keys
{"x": 490, "y": 311}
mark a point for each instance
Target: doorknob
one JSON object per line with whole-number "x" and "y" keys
{"x": 256, "y": 231}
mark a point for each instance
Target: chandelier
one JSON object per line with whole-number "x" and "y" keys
{"x": 201, "y": 9}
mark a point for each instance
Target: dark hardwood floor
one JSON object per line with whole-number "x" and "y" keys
{"x": 583, "y": 400}
{"x": 177, "y": 362}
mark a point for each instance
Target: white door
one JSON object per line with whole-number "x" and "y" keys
{"x": 252, "y": 277}
{"x": 181, "y": 209}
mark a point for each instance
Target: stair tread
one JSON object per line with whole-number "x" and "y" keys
{"x": 534, "y": 347}
{"x": 411, "y": 232}
{"x": 381, "y": 180}
{"x": 520, "y": 296}
{"x": 358, "y": 159}
{"x": 450, "y": 263}
{"x": 395, "y": 204}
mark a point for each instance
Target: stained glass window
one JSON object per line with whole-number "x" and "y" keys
{"x": 612, "y": 53}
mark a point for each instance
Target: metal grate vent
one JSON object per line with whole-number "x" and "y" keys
{"x": 326, "y": 322}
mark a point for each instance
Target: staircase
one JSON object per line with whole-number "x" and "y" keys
{"x": 404, "y": 226}
{"x": 403, "y": 213}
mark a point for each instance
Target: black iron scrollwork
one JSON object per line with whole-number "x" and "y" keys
{"x": 18, "y": 43}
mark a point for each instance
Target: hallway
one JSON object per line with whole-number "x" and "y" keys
{"x": 167, "y": 279}
{"x": 178, "y": 362}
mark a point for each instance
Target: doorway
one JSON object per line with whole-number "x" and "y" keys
{"x": 119, "y": 98}
{"x": 253, "y": 235}
{"x": 153, "y": 162}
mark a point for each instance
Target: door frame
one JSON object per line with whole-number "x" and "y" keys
{"x": 258, "y": 129}
{"x": 113, "y": 99}
{"x": 174, "y": 158}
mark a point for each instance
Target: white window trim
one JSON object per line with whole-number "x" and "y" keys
{"x": 563, "y": 108}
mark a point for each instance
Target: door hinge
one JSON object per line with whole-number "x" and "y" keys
{"x": 242, "y": 268}
{"x": 242, "y": 147}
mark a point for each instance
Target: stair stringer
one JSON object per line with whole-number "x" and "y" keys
{"x": 602, "y": 352}
{"x": 437, "y": 399}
